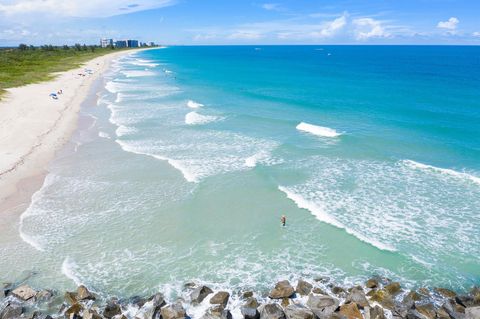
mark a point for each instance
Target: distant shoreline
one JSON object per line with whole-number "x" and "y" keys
{"x": 34, "y": 126}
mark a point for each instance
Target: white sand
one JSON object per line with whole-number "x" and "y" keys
{"x": 33, "y": 126}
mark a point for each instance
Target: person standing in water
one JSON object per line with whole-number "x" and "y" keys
{"x": 283, "y": 220}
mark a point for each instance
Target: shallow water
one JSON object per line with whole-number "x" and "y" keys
{"x": 194, "y": 153}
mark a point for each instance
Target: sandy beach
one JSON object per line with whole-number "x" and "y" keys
{"x": 34, "y": 126}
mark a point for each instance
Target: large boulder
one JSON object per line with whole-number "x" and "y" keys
{"x": 382, "y": 297}
{"x": 454, "y": 310}
{"x": 350, "y": 311}
{"x": 322, "y": 306}
{"x": 112, "y": 309}
{"x": 467, "y": 301}
{"x": 91, "y": 314}
{"x": 472, "y": 313}
{"x": 84, "y": 294}
{"x": 426, "y": 310}
{"x": 371, "y": 283}
{"x": 393, "y": 288}
{"x": 11, "y": 311}
{"x": 24, "y": 292}
{"x": 447, "y": 293}
{"x": 271, "y": 311}
{"x": 282, "y": 289}
{"x": 150, "y": 308}
{"x": 74, "y": 311}
{"x": 298, "y": 312}
{"x": 200, "y": 293}
{"x": 374, "y": 312}
{"x": 303, "y": 287}
{"x": 173, "y": 311}
{"x": 249, "y": 309}
{"x": 70, "y": 297}
{"x": 357, "y": 295}
{"x": 217, "y": 312}
{"x": 220, "y": 298}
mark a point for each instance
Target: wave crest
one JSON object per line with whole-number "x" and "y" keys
{"x": 317, "y": 130}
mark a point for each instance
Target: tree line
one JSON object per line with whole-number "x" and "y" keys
{"x": 49, "y": 47}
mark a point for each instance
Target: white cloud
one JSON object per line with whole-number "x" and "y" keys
{"x": 271, "y": 6}
{"x": 451, "y": 24}
{"x": 476, "y": 34}
{"x": 366, "y": 28}
{"x": 245, "y": 35}
{"x": 332, "y": 28}
{"x": 77, "y": 8}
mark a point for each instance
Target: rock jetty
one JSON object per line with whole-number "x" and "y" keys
{"x": 377, "y": 298}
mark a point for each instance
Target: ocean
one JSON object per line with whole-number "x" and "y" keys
{"x": 183, "y": 167}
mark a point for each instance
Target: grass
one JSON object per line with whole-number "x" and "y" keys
{"x": 25, "y": 65}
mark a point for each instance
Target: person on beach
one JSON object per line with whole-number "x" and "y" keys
{"x": 283, "y": 220}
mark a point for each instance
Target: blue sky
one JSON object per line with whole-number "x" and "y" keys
{"x": 241, "y": 21}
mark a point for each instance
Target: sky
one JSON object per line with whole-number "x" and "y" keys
{"x": 210, "y": 22}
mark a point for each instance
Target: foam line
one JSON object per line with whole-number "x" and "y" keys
{"x": 317, "y": 130}
{"x": 445, "y": 171}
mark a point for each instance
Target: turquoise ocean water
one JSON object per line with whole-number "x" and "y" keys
{"x": 183, "y": 168}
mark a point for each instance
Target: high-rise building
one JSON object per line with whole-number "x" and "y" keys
{"x": 121, "y": 44}
{"x": 132, "y": 43}
{"x": 106, "y": 43}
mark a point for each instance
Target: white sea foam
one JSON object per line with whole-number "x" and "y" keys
{"x": 263, "y": 157}
{"x": 143, "y": 62}
{"x": 445, "y": 171}
{"x": 187, "y": 174}
{"x": 69, "y": 269}
{"x": 194, "y": 105}
{"x": 104, "y": 135}
{"x": 137, "y": 73}
{"x": 167, "y": 71}
{"x": 193, "y": 118}
{"x": 317, "y": 211}
{"x": 317, "y": 130}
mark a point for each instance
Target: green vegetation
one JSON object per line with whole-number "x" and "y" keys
{"x": 29, "y": 64}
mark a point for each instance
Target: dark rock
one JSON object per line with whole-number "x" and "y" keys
{"x": 199, "y": 294}
{"x": 70, "y": 297}
{"x": 323, "y": 280}
{"x": 74, "y": 311}
{"x": 84, "y": 294}
{"x": 472, "y": 313}
{"x": 137, "y": 300}
{"x": 424, "y": 291}
{"x": 446, "y": 292}
{"x": 374, "y": 313}
{"x": 393, "y": 288}
{"x": 112, "y": 309}
{"x": 220, "y": 298}
{"x": 357, "y": 295}
{"x": 91, "y": 314}
{"x": 39, "y": 315}
{"x": 412, "y": 296}
{"x": 383, "y": 298}
{"x": 190, "y": 285}
{"x": 319, "y": 291}
{"x": 350, "y": 310}
{"x": 151, "y": 308}
{"x": 282, "y": 289}
{"x": 303, "y": 288}
{"x": 249, "y": 309}
{"x": 467, "y": 301}
{"x": 322, "y": 306}
{"x": 217, "y": 312}
{"x": 454, "y": 310}
{"x": 247, "y": 294}
{"x": 173, "y": 311}
{"x": 426, "y": 311}
{"x": 338, "y": 290}
{"x": 442, "y": 314}
{"x": 271, "y": 311}
{"x": 371, "y": 283}
{"x": 298, "y": 312}
{"x": 11, "y": 311}
{"x": 24, "y": 292}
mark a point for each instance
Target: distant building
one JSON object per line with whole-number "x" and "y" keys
{"x": 132, "y": 43}
{"x": 104, "y": 43}
{"x": 121, "y": 44}
{"x": 151, "y": 44}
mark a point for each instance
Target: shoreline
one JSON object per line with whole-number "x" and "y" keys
{"x": 35, "y": 127}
